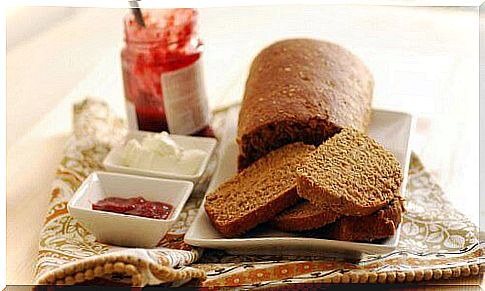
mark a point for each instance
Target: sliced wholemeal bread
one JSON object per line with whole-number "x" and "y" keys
{"x": 304, "y": 216}
{"x": 351, "y": 174}
{"x": 379, "y": 225}
{"x": 258, "y": 193}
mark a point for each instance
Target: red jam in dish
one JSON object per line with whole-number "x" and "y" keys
{"x": 137, "y": 206}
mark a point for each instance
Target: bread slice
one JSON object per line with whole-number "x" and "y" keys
{"x": 351, "y": 174}
{"x": 304, "y": 216}
{"x": 258, "y": 193}
{"x": 379, "y": 225}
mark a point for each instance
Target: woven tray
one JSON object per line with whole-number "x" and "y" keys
{"x": 436, "y": 240}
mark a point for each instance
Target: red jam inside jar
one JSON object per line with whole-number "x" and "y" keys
{"x": 162, "y": 73}
{"x": 137, "y": 206}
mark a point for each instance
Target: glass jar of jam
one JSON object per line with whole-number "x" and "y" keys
{"x": 162, "y": 73}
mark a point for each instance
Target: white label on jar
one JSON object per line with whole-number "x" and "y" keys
{"x": 185, "y": 99}
{"x": 131, "y": 114}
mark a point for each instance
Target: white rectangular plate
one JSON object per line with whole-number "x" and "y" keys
{"x": 391, "y": 129}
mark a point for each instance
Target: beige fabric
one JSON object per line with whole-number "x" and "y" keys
{"x": 68, "y": 253}
{"x": 436, "y": 240}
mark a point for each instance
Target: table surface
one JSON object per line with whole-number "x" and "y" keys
{"x": 424, "y": 61}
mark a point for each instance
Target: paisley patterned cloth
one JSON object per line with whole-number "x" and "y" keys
{"x": 436, "y": 240}
{"x": 68, "y": 253}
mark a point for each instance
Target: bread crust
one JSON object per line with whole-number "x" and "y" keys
{"x": 301, "y": 90}
{"x": 351, "y": 174}
{"x": 304, "y": 216}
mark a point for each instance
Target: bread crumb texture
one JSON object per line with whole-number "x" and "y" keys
{"x": 304, "y": 216}
{"x": 351, "y": 174}
{"x": 241, "y": 200}
{"x": 378, "y": 225}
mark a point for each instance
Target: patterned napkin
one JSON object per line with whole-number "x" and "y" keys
{"x": 68, "y": 253}
{"x": 436, "y": 241}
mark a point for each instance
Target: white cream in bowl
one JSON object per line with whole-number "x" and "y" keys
{"x": 159, "y": 152}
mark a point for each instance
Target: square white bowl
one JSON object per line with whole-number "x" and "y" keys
{"x": 112, "y": 162}
{"x": 122, "y": 229}
{"x": 392, "y": 129}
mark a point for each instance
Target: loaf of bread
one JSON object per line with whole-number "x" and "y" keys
{"x": 304, "y": 216}
{"x": 301, "y": 90}
{"x": 351, "y": 174}
{"x": 256, "y": 194}
{"x": 379, "y": 225}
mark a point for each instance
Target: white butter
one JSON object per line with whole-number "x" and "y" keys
{"x": 162, "y": 144}
{"x": 159, "y": 152}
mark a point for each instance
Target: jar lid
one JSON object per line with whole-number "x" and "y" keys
{"x": 162, "y": 25}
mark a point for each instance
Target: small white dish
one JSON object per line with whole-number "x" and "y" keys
{"x": 391, "y": 129}
{"x": 122, "y": 229}
{"x": 113, "y": 163}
